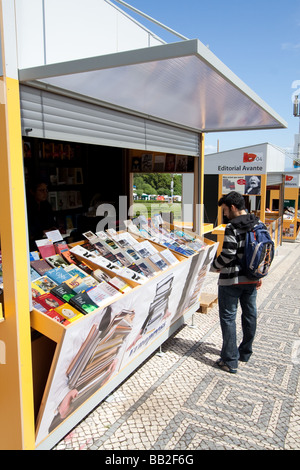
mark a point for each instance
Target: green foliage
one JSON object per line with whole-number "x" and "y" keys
{"x": 158, "y": 183}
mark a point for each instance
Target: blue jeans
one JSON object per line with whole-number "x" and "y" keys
{"x": 228, "y": 299}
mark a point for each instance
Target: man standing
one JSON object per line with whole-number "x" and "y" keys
{"x": 234, "y": 286}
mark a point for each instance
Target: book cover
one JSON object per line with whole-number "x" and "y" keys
{"x": 34, "y": 274}
{"x": 83, "y": 303}
{"x": 47, "y": 150}
{"x": 120, "y": 285}
{"x": 88, "y": 246}
{"x": 102, "y": 292}
{"x": 86, "y": 284}
{"x": 34, "y": 255}
{"x": 134, "y": 267}
{"x": 123, "y": 258}
{"x": 124, "y": 240}
{"x": 52, "y": 196}
{"x": 103, "y": 250}
{"x": 158, "y": 261}
{"x": 72, "y": 260}
{"x": 56, "y": 261}
{"x": 62, "y": 200}
{"x": 58, "y": 275}
{"x": 45, "y": 247}
{"x": 60, "y": 246}
{"x": 169, "y": 257}
{"x": 63, "y": 292}
{"x": 134, "y": 256}
{"x": 69, "y": 312}
{"x": 133, "y": 274}
{"x": 146, "y": 267}
{"x": 136, "y": 164}
{"x": 112, "y": 258}
{"x": 90, "y": 235}
{"x": 36, "y": 291}
{"x": 147, "y": 164}
{"x": 49, "y": 301}
{"x": 44, "y": 283}
{"x": 181, "y": 163}
{"x": 101, "y": 275}
{"x": 145, "y": 249}
{"x": 40, "y": 265}
{"x": 57, "y": 317}
{"x": 196, "y": 245}
{"x": 75, "y": 270}
{"x": 69, "y": 257}
{"x": 97, "y": 295}
{"x": 170, "y": 162}
{"x": 111, "y": 244}
{"x": 73, "y": 282}
{"x": 159, "y": 163}
{"x": 38, "y": 306}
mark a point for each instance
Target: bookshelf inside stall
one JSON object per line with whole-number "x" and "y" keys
{"x": 75, "y": 175}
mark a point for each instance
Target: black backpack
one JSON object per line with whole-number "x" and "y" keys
{"x": 258, "y": 253}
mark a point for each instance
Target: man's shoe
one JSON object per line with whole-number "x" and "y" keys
{"x": 225, "y": 367}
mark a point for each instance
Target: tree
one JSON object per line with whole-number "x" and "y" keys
{"x": 160, "y": 181}
{"x": 148, "y": 189}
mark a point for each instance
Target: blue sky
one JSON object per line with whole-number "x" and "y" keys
{"x": 259, "y": 40}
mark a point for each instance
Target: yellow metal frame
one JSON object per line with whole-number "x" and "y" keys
{"x": 16, "y": 386}
{"x": 290, "y": 193}
{"x": 220, "y": 229}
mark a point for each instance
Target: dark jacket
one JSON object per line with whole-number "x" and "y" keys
{"x": 227, "y": 263}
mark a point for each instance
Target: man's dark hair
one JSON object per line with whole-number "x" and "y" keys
{"x": 233, "y": 199}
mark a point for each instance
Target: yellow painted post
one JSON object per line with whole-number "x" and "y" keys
{"x": 263, "y": 198}
{"x": 201, "y": 176}
{"x": 16, "y": 388}
{"x": 220, "y": 210}
{"x": 198, "y": 209}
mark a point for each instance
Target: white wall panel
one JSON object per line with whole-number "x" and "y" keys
{"x": 51, "y": 31}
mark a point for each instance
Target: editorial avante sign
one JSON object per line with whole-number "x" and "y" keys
{"x": 237, "y": 162}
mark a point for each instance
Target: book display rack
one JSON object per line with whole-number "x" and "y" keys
{"x": 101, "y": 307}
{"x": 272, "y": 219}
{"x": 291, "y": 205}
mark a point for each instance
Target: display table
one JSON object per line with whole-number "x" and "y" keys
{"x": 76, "y": 366}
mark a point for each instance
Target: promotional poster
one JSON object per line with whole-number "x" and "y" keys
{"x": 96, "y": 348}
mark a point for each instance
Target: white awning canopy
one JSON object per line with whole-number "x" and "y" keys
{"x": 182, "y": 83}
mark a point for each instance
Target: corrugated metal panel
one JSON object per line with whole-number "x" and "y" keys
{"x": 54, "y": 116}
{"x": 273, "y": 179}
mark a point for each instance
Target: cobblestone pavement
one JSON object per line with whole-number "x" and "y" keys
{"x": 180, "y": 401}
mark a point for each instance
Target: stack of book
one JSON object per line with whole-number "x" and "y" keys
{"x": 65, "y": 287}
{"x": 123, "y": 254}
{"x": 174, "y": 239}
{"x": 93, "y": 363}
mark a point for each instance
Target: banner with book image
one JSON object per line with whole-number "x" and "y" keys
{"x": 96, "y": 348}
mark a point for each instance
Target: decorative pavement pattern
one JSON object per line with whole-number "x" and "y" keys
{"x": 178, "y": 400}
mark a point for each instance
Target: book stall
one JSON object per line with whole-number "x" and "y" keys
{"x": 291, "y": 214}
{"x": 253, "y": 172}
{"x": 78, "y": 316}
{"x": 105, "y": 304}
